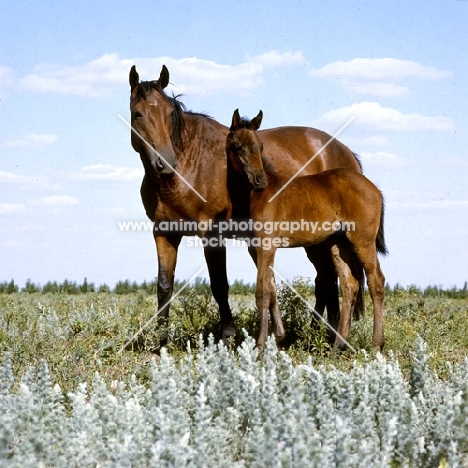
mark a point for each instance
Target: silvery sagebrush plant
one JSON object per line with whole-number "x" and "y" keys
{"x": 240, "y": 408}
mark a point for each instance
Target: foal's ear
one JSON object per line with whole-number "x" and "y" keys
{"x": 254, "y": 124}
{"x": 236, "y": 120}
{"x": 133, "y": 78}
{"x": 163, "y": 79}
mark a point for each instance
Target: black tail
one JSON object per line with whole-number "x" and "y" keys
{"x": 380, "y": 239}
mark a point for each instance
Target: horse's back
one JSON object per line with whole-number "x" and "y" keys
{"x": 287, "y": 149}
{"x": 333, "y": 187}
{"x": 338, "y": 179}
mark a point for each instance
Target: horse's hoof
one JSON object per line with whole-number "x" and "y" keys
{"x": 339, "y": 347}
{"x": 156, "y": 349}
{"x": 228, "y": 341}
{"x": 229, "y": 333}
{"x": 229, "y": 330}
{"x": 377, "y": 348}
{"x": 280, "y": 340}
{"x": 261, "y": 351}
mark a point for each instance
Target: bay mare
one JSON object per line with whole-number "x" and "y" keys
{"x": 183, "y": 154}
{"x": 334, "y": 197}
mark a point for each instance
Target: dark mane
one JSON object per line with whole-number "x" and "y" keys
{"x": 244, "y": 123}
{"x": 178, "y": 123}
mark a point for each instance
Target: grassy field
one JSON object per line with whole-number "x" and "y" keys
{"x": 79, "y": 333}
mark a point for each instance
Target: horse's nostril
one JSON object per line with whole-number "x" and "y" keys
{"x": 259, "y": 180}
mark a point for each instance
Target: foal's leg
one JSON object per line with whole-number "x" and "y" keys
{"x": 367, "y": 254}
{"x": 166, "y": 248}
{"x": 278, "y": 328}
{"x": 349, "y": 286}
{"x": 265, "y": 295}
{"x": 274, "y": 309}
{"x": 216, "y": 261}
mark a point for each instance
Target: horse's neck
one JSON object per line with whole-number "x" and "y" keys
{"x": 200, "y": 135}
{"x": 201, "y": 162}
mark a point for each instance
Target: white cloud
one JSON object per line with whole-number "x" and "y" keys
{"x": 458, "y": 162}
{"x": 90, "y": 79}
{"x": 34, "y": 139}
{"x": 42, "y": 139}
{"x": 106, "y": 172}
{"x": 372, "y": 115}
{"x": 5, "y": 74}
{"x": 21, "y": 182}
{"x": 55, "y": 202}
{"x": 16, "y": 143}
{"x": 408, "y": 201}
{"x": 11, "y": 208}
{"x": 12, "y": 178}
{"x": 101, "y": 76}
{"x": 430, "y": 205}
{"x": 379, "y": 76}
{"x": 275, "y": 59}
{"x": 366, "y": 141}
{"x": 6, "y": 79}
{"x": 382, "y": 158}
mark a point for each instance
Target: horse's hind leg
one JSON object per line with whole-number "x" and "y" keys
{"x": 376, "y": 283}
{"x": 349, "y": 286}
{"x": 326, "y": 286}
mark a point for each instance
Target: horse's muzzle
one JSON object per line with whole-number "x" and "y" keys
{"x": 259, "y": 182}
{"x": 163, "y": 166}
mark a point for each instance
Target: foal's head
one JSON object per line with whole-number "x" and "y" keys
{"x": 244, "y": 149}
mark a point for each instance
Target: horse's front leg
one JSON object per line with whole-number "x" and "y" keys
{"x": 265, "y": 295}
{"x": 216, "y": 261}
{"x": 274, "y": 309}
{"x": 166, "y": 248}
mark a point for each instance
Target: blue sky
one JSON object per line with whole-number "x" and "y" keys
{"x": 68, "y": 174}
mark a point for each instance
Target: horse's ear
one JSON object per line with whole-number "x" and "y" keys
{"x": 163, "y": 80}
{"x": 236, "y": 119}
{"x": 133, "y": 78}
{"x": 255, "y": 123}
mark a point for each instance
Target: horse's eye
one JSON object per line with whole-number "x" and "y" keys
{"x": 261, "y": 146}
{"x": 136, "y": 114}
{"x": 236, "y": 147}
